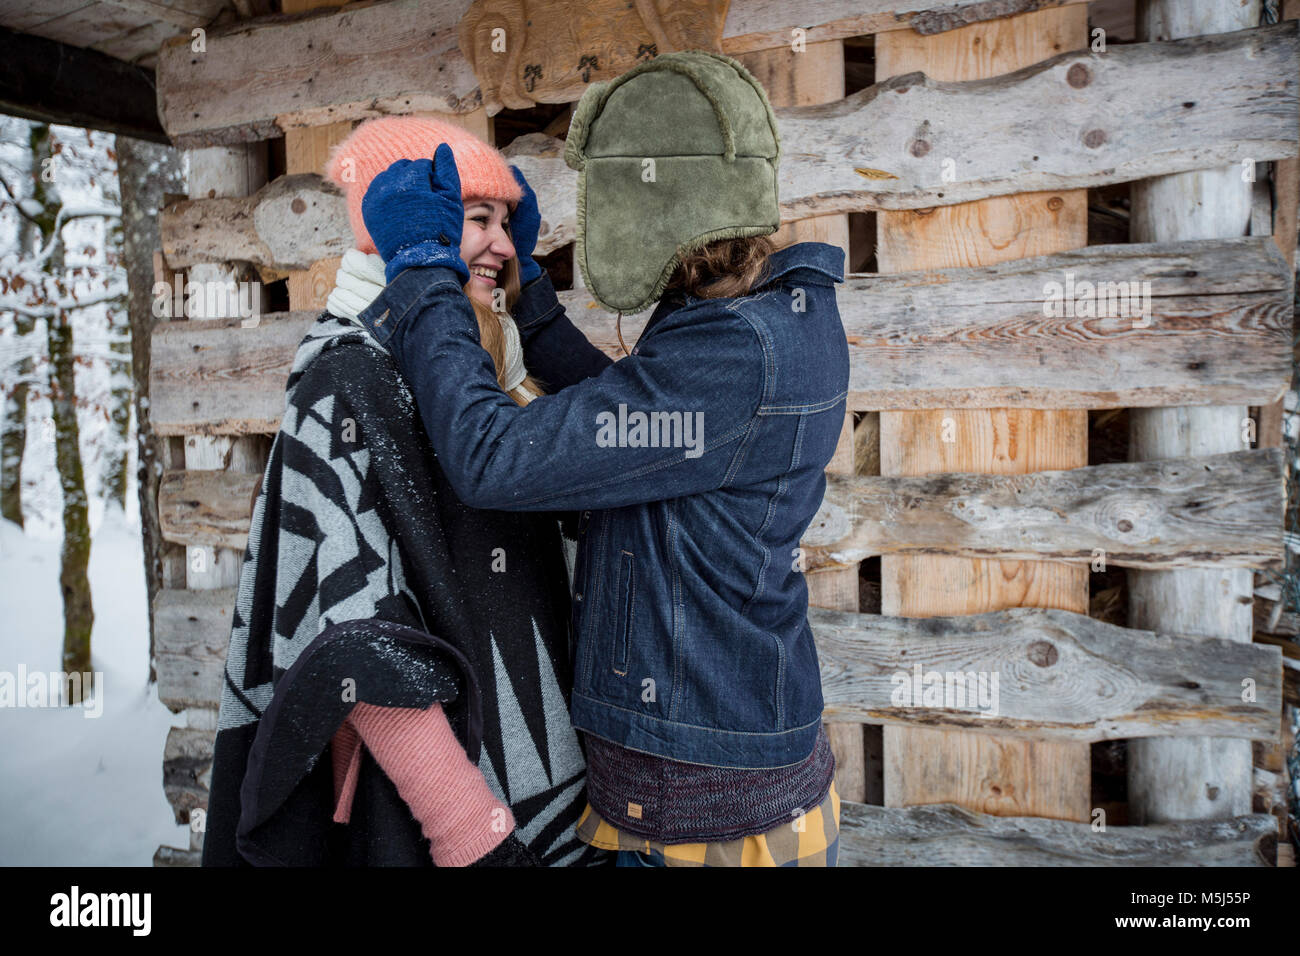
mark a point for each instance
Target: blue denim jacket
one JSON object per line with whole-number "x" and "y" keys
{"x": 697, "y": 463}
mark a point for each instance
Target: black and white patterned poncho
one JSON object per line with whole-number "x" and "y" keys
{"x": 363, "y": 566}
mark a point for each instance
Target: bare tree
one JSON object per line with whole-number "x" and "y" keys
{"x": 147, "y": 172}
{"x": 47, "y": 288}
{"x": 13, "y": 430}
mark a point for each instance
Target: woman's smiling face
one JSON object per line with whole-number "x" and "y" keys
{"x": 485, "y": 245}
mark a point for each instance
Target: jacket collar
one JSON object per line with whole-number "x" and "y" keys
{"x": 819, "y": 260}
{"x": 816, "y": 262}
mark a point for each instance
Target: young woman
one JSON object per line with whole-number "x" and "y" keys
{"x": 699, "y": 457}
{"x": 398, "y": 677}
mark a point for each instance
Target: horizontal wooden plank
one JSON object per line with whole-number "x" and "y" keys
{"x": 767, "y": 24}
{"x": 207, "y": 507}
{"x": 218, "y": 377}
{"x": 1141, "y": 90}
{"x": 299, "y": 219}
{"x": 1044, "y": 673}
{"x": 192, "y": 632}
{"x": 1212, "y": 511}
{"x": 171, "y": 856}
{"x": 944, "y": 834}
{"x": 1058, "y": 675}
{"x": 1268, "y": 792}
{"x": 51, "y": 80}
{"x": 1218, "y": 332}
{"x": 289, "y": 223}
{"x": 187, "y": 769}
{"x": 256, "y": 78}
{"x": 1076, "y": 120}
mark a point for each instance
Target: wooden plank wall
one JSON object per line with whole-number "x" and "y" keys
{"x": 214, "y": 171}
{"x": 989, "y": 774}
{"x": 1271, "y": 759}
{"x": 815, "y": 74}
{"x": 1032, "y": 765}
{"x": 1208, "y": 777}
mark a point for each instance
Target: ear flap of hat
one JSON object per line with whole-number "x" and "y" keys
{"x": 588, "y": 108}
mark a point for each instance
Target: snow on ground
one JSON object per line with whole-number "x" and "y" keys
{"x": 77, "y": 790}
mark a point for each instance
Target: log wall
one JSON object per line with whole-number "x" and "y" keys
{"x": 963, "y": 465}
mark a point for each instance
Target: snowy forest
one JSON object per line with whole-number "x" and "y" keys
{"x": 75, "y": 598}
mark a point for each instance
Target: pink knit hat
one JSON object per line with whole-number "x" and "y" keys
{"x": 376, "y": 144}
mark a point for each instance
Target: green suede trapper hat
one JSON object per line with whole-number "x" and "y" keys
{"x": 708, "y": 127}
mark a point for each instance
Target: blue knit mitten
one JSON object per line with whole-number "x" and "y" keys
{"x": 525, "y": 223}
{"x": 415, "y": 216}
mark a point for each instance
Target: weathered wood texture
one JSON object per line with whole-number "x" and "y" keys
{"x": 1076, "y": 120}
{"x": 766, "y": 24}
{"x": 816, "y": 75}
{"x": 1209, "y": 777}
{"x": 264, "y": 76}
{"x": 171, "y": 856}
{"x": 219, "y": 377}
{"x": 187, "y": 770}
{"x": 213, "y": 508}
{"x": 306, "y": 151}
{"x": 1061, "y": 676}
{"x": 546, "y": 51}
{"x": 193, "y": 631}
{"x": 1219, "y": 510}
{"x": 986, "y": 772}
{"x": 129, "y": 31}
{"x": 945, "y": 834}
{"x": 929, "y": 144}
{"x": 1219, "y": 329}
{"x": 288, "y": 224}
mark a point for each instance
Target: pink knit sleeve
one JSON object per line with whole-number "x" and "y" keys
{"x": 447, "y": 794}
{"x": 346, "y": 755}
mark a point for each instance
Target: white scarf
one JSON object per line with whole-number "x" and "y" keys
{"x": 361, "y": 278}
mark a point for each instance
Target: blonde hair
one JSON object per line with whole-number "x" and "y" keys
{"x": 493, "y": 338}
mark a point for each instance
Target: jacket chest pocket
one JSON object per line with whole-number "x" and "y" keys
{"x": 625, "y": 601}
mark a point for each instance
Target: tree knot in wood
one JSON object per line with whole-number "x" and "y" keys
{"x": 1078, "y": 76}
{"x": 1043, "y": 653}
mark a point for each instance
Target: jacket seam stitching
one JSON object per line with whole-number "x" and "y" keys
{"x": 711, "y": 730}
{"x": 678, "y": 619}
{"x": 764, "y": 394}
{"x": 800, "y": 409}
{"x": 648, "y": 469}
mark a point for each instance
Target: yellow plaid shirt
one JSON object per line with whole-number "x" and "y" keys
{"x": 808, "y": 840}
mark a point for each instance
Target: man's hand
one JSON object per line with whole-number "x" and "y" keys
{"x": 414, "y": 213}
